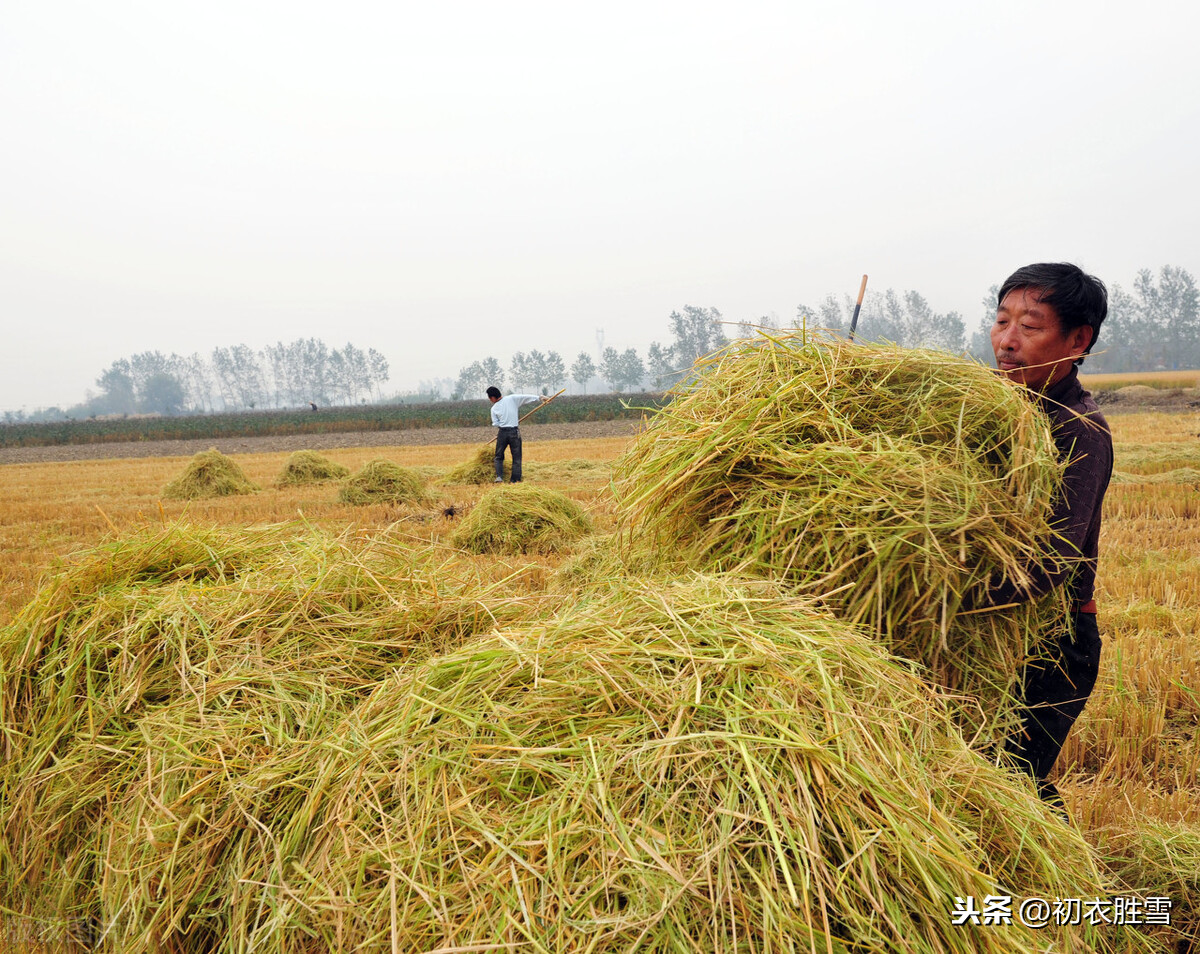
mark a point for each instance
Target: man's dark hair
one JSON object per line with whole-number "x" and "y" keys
{"x": 1076, "y": 297}
{"x": 493, "y": 391}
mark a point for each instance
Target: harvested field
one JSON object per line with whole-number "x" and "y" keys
{"x": 241, "y": 828}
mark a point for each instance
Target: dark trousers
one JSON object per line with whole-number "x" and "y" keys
{"x": 509, "y": 437}
{"x": 1055, "y": 691}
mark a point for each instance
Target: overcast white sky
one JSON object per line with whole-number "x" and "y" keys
{"x": 451, "y": 180}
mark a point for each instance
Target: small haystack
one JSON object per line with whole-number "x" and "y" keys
{"x": 309, "y": 467}
{"x": 383, "y": 481}
{"x": 480, "y": 469}
{"x": 698, "y": 765}
{"x": 894, "y": 484}
{"x": 522, "y": 520}
{"x": 209, "y": 474}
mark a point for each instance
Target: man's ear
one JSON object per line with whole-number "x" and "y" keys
{"x": 1080, "y": 339}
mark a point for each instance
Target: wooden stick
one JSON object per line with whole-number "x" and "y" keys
{"x": 854, "y": 321}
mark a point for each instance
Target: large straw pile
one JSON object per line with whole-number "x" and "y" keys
{"x": 209, "y": 474}
{"x": 175, "y": 662}
{"x": 522, "y": 520}
{"x": 894, "y": 484}
{"x": 696, "y": 766}
{"x": 383, "y": 481}
{"x": 309, "y": 467}
{"x": 479, "y": 469}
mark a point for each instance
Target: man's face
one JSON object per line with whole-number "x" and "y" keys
{"x": 492, "y": 399}
{"x": 1029, "y": 343}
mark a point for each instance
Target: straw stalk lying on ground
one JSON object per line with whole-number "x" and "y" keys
{"x": 522, "y": 520}
{"x": 698, "y": 765}
{"x": 140, "y": 688}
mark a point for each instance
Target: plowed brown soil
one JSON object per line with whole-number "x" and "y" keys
{"x": 266, "y": 445}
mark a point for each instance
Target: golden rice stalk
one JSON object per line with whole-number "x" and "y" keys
{"x": 209, "y": 474}
{"x": 522, "y": 520}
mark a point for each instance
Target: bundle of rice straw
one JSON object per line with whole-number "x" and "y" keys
{"x": 892, "y": 483}
{"x": 209, "y": 474}
{"x": 152, "y": 676}
{"x": 383, "y": 481}
{"x": 309, "y": 467}
{"x": 694, "y": 766}
{"x": 480, "y": 469}
{"x": 522, "y": 520}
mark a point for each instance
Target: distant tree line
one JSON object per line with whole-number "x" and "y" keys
{"x": 696, "y": 331}
{"x": 1154, "y": 325}
{"x": 290, "y": 374}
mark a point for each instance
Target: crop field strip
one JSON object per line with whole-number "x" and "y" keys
{"x": 333, "y": 420}
{"x": 1135, "y": 753}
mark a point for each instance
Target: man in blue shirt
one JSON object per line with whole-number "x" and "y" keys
{"x": 505, "y": 418}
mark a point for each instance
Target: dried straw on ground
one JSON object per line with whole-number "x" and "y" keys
{"x": 383, "y": 481}
{"x": 695, "y": 766}
{"x": 480, "y": 469}
{"x": 209, "y": 474}
{"x": 1187, "y": 476}
{"x": 519, "y": 519}
{"x": 154, "y": 674}
{"x": 309, "y": 467}
{"x": 892, "y": 483}
{"x": 1160, "y": 859}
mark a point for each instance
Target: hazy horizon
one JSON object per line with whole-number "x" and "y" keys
{"x": 444, "y": 183}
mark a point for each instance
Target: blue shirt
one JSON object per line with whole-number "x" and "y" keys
{"x": 504, "y": 411}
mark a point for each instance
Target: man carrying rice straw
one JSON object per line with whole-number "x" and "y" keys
{"x": 1048, "y": 318}
{"x": 508, "y": 434}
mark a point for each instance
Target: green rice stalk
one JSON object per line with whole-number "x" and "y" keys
{"x": 383, "y": 481}
{"x": 518, "y": 519}
{"x": 209, "y": 474}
